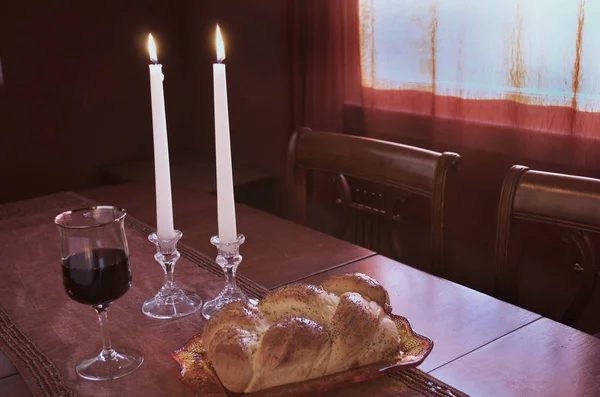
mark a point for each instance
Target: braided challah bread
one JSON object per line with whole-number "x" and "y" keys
{"x": 301, "y": 332}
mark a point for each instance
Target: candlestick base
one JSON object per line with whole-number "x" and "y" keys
{"x": 170, "y": 301}
{"x": 228, "y": 257}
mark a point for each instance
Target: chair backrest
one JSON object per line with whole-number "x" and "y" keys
{"x": 410, "y": 169}
{"x": 567, "y": 201}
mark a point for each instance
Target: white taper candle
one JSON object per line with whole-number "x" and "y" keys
{"x": 225, "y": 197}
{"x": 162, "y": 173}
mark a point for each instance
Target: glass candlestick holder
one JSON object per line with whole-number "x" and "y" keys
{"x": 170, "y": 301}
{"x": 229, "y": 258}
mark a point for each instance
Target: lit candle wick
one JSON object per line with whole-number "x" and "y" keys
{"x": 152, "y": 50}
{"x": 220, "y": 46}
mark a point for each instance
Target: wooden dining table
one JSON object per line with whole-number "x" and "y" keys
{"x": 483, "y": 346}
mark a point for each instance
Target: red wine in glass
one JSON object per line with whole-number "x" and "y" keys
{"x": 97, "y": 277}
{"x": 96, "y": 272}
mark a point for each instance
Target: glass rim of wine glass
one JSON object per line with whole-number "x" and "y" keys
{"x": 77, "y": 219}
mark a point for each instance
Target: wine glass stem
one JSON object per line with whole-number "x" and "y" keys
{"x": 107, "y": 350}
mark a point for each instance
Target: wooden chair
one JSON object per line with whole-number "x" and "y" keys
{"x": 567, "y": 201}
{"x": 405, "y": 169}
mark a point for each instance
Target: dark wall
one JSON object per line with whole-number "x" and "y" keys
{"x": 258, "y": 78}
{"x": 76, "y": 90}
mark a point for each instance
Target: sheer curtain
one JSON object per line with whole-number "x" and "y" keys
{"x": 529, "y": 67}
{"x": 527, "y": 51}
{"x": 325, "y": 55}
{"x": 520, "y": 77}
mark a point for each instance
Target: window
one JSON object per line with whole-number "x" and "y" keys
{"x": 543, "y": 52}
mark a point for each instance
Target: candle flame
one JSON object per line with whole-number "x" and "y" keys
{"x": 220, "y": 46}
{"x": 152, "y": 49}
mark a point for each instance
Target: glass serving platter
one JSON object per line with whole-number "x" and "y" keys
{"x": 198, "y": 374}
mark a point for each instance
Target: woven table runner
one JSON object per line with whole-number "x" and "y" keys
{"x": 45, "y": 334}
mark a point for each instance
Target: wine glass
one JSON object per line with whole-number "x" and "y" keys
{"x": 96, "y": 271}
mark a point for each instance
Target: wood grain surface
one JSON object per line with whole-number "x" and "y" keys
{"x": 458, "y": 319}
{"x": 544, "y": 358}
{"x": 483, "y": 346}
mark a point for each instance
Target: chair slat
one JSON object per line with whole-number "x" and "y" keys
{"x": 409, "y": 169}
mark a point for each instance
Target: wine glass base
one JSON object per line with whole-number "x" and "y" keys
{"x": 177, "y": 303}
{"x": 120, "y": 363}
